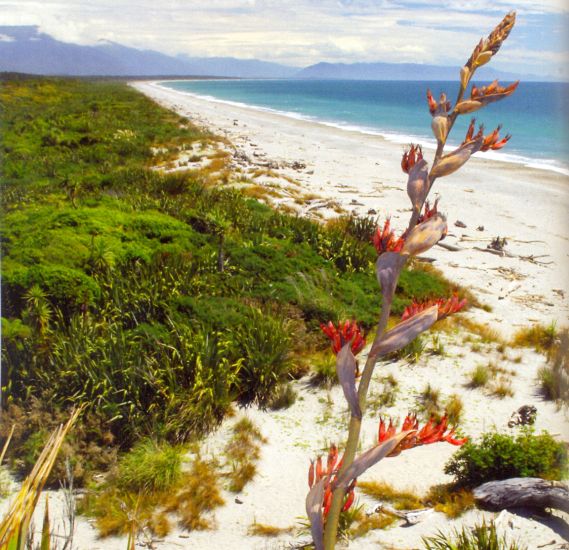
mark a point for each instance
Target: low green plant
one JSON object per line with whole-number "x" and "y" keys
{"x": 150, "y": 466}
{"x": 483, "y": 536}
{"x": 501, "y": 456}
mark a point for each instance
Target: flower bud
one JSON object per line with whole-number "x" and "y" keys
{"x": 464, "y": 76}
{"x": 468, "y": 106}
{"x": 440, "y": 127}
{"x": 425, "y": 235}
{"x": 483, "y": 58}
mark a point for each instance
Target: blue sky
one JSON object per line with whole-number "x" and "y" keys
{"x": 302, "y": 32}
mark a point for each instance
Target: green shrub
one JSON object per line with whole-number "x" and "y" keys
{"x": 501, "y": 456}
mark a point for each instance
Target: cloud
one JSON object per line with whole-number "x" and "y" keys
{"x": 302, "y": 32}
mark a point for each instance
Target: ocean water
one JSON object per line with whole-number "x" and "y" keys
{"x": 536, "y": 114}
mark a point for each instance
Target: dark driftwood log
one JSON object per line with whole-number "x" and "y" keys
{"x": 519, "y": 492}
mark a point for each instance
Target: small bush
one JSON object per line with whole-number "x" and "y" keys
{"x": 481, "y": 537}
{"x": 502, "y": 456}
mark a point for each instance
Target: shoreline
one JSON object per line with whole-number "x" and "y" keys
{"x": 546, "y": 164}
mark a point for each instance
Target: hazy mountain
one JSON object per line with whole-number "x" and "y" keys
{"x": 24, "y": 49}
{"x": 395, "y": 71}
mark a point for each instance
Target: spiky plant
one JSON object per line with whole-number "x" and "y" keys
{"x": 332, "y": 486}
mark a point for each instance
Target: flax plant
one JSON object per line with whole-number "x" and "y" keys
{"x": 14, "y": 525}
{"x": 332, "y": 485}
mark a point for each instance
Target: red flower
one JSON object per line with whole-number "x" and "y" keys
{"x": 411, "y": 157}
{"x": 429, "y": 212}
{"x": 446, "y": 307}
{"x": 384, "y": 239}
{"x": 333, "y": 465}
{"x": 492, "y": 92}
{"x": 432, "y": 432}
{"x": 443, "y": 106}
{"x": 348, "y": 331}
{"x": 491, "y": 141}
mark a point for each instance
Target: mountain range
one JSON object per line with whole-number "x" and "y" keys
{"x": 25, "y": 49}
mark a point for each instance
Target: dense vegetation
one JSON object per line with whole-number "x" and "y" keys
{"x": 502, "y": 456}
{"x": 156, "y": 299}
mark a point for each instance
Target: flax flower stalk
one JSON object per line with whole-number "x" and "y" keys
{"x": 394, "y": 254}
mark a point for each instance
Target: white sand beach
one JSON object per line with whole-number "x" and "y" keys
{"x": 362, "y": 173}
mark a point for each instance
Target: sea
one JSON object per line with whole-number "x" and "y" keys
{"x": 536, "y": 114}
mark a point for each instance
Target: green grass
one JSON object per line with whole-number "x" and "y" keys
{"x": 157, "y": 299}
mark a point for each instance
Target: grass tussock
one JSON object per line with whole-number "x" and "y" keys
{"x": 542, "y": 338}
{"x": 429, "y": 402}
{"x": 370, "y": 523}
{"x": 483, "y": 536}
{"x": 494, "y": 378}
{"x": 242, "y": 452}
{"x": 454, "y": 408}
{"x": 554, "y": 377}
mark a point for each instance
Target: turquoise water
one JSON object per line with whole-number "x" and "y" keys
{"x": 536, "y": 115}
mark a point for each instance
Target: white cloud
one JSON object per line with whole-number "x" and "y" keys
{"x": 297, "y": 32}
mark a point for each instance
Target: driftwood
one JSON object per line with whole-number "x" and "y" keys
{"x": 532, "y": 492}
{"x": 410, "y": 516}
{"x": 450, "y": 247}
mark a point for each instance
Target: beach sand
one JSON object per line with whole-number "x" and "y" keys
{"x": 361, "y": 173}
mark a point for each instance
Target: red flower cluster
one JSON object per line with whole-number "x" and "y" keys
{"x": 443, "y": 105}
{"x": 493, "y": 91}
{"x": 411, "y": 157}
{"x": 384, "y": 239}
{"x": 348, "y": 331}
{"x": 446, "y": 307}
{"x": 491, "y": 141}
{"x": 432, "y": 432}
{"x": 429, "y": 212}
{"x": 316, "y": 472}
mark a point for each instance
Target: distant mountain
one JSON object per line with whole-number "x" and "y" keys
{"x": 395, "y": 71}
{"x": 24, "y": 49}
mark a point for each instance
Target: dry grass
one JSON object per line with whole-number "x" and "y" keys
{"x": 502, "y": 388}
{"x": 542, "y": 338}
{"x": 262, "y": 530}
{"x": 449, "y": 500}
{"x": 369, "y": 523}
{"x": 385, "y": 396}
{"x": 384, "y": 492}
{"x": 479, "y": 377}
{"x": 242, "y": 452}
{"x": 454, "y": 408}
{"x": 260, "y": 192}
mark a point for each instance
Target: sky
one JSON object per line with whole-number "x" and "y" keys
{"x": 303, "y": 32}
